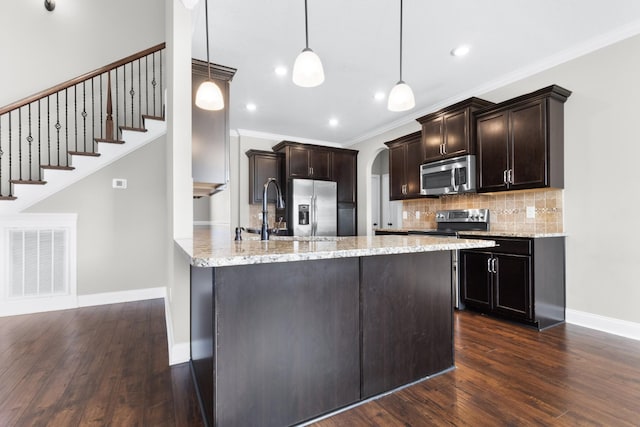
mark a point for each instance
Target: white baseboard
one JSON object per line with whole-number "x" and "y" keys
{"x": 610, "y": 325}
{"x": 37, "y": 305}
{"x": 121, "y": 296}
{"x": 178, "y": 353}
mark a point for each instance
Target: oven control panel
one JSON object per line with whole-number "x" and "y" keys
{"x": 463, "y": 215}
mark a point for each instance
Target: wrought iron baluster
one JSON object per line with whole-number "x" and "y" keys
{"x": 146, "y": 81}
{"x": 10, "y": 157}
{"x": 117, "y": 104}
{"x": 139, "y": 95}
{"x": 84, "y": 114}
{"x": 49, "y": 130}
{"x": 161, "y": 90}
{"x": 75, "y": 116}
{"x": 20, "y": 144}
{"x": 1, "y": 156}
{"x": 132, "y": 92}
{"x": 102, "y": 135}
{"x": 153, "y": 83}
{"x": 39, "y": 140}
{"x": 109, "y": 123}
{"x": 66, "y": 123}
{"x": 30, "y": 141}
{"x": 58, "y": 126}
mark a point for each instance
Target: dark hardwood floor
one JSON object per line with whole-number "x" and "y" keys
{"x": 107, "y": 366}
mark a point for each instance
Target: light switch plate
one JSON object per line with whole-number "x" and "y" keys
{"x": 405, "y": 215}
{"x": 417, "y": 214}
{"x": 531, "y": 212}
{"x": 119, "y": 183}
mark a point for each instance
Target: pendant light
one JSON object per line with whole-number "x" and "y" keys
{"x": 401, "y": 96}
{"x": 209, "y": 96}
{"x": 307, "y": 70}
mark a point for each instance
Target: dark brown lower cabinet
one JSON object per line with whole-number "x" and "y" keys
{"x": 520, "y": 279}
{"x": 278, "y": 344}
{"x": 407, "y": 319}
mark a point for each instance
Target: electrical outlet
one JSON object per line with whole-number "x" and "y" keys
{"x": 417, "y": 214}
{"x": 531, "y": 212}
{"x": 405, "y": 215}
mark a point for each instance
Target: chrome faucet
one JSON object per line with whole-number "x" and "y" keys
{"x": 264, "y": 232}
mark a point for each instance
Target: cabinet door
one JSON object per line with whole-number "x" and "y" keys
{"x": 512, "y": 286}
{"x": 298, "y": 162}
{"x": 343, "y": 171}
{"x": 396, "y": 172}
{"x": 528, "y": 155}
{"x": 492, "y": 158}
{"x": 456, "y": 139}
{"x": 320, "y": 163}
{"x": 475, "y": 279}
{"x": 414, "y": 154}
{"x": 432, "y": 139}
{"x": 261, "y": 168}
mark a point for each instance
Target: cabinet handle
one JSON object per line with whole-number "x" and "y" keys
{"x": 510, "y": 176}
{"x": 489, "y": 265}
{"x": 494, "y": 268}
{"x": 444, "y": 149}
{"x": 504, "y": 176}
{"x": 311, "y": 171}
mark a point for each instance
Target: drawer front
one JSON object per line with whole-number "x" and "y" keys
{"x": 514, "y": 246}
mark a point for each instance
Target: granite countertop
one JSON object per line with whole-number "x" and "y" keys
{"x": 210, "y": 248}
{"x": 529, "y": 235}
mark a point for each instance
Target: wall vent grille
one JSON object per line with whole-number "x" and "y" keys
{"x": 38, "y": 263}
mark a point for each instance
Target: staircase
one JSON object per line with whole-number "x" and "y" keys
{"x": 58, "y": 136}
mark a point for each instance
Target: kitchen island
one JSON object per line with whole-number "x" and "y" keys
{"x": 286, "y": 330}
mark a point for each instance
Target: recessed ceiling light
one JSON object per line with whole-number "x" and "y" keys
{"x": 251, "y": 106}
{"x": 281, "y": 71}
{"x": 333, "y": 122}
{"x": 379, "y": 96}
{"x": 460, "y": 50}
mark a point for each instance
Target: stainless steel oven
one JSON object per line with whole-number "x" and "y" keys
{"x": 449, "y": 224}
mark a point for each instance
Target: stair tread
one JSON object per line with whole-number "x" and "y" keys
{"x": 109, "y": 141}
{"x": 147, "y": 116}
{"x": 28, "y": 181}
{"x": 83, "y": 153}
{"x": 8, "y": 198}
{"x": 134, "y": 129}
{"x": 56, "y": 167}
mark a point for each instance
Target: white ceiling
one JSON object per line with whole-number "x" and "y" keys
{"x": 358, "y": 42}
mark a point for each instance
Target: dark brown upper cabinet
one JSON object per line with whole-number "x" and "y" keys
{"x": 520, "y": 142}
{"x": 405, "y": 156}
{"x": 450, "y": 132}
{"x": 262, "y": 166}
{"x": 210, "y": 132}
{"x": 305, "y": 160}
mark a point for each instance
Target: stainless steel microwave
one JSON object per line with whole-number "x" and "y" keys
{"x": 450, "y": 176}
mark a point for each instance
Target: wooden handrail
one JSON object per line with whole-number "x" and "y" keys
{"x": 80, "y": 79}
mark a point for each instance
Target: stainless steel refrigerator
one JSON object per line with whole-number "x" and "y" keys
{"x": 313, "y": 207}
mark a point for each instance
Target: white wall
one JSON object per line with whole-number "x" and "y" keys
{"x": 41, "y": 49}
{"x": 121, "y": 234}
{"x": 601, "y": 146}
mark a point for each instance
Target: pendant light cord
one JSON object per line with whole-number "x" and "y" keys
{"x": 206, "y": 23}
{"x": 400, "y": 40}
{"x": 306, "y": 25}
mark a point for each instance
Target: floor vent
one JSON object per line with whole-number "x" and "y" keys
{"x": 38, "y": 263}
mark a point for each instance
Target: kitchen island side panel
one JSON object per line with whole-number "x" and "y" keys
{"x": 202, "y": 337}
{"x": 287, "y": 341}
{"x": 407, "y": 319}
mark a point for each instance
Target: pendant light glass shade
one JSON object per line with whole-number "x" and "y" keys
{"x": 401, "y": 98}
{"x": 189, "y": 4}
{"x": 209, "y": 96}
{"x": 307, "y": 70}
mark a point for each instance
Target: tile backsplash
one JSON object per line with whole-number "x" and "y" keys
{"x": 508, "y": 210}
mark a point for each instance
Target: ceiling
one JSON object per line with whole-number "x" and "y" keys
{"x": 358, "y": 43}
